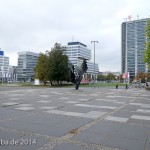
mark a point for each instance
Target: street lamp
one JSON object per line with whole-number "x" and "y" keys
{"x": 94, "y": 59}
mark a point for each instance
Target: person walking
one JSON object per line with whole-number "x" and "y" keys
{"x": 117, "y": 86}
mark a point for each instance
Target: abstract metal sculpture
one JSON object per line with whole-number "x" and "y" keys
{"x": 77, "y": 73}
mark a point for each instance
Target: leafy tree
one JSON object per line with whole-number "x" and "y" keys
{"x": 147, "y": 45}
{"x": 88, "y": 77}
{"x": 141, "y": 76}
{"x": 53, "y": 65}
{"x": 111, "y": 76}
{"x": 147, "y": 77}
{"x": 58, "y": 64}
{"x": 101, "y": 77}
{"x": 41, "y": 68}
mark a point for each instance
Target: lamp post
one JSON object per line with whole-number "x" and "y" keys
{"x": 94, "y": 59}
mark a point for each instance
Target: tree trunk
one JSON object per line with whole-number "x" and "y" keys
{"x": 58, "y": 82}
{"x": 51, "y": 83}
{"x": 44, "y": 82}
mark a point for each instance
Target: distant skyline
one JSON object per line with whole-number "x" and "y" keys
{"x": 36, "y": 25}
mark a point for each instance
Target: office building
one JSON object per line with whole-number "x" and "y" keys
{"x": 26, "y": 63}
{"x": 4, "y": 67}
{"x": 133, "y": 46}
{"x": 76, "y": 51}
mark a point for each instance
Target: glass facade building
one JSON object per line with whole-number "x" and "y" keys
{"x": 133, "y": 46}
{"x": 26, "y": 64}
{"x": 76, "y": 51}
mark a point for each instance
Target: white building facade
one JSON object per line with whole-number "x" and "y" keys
{"x": 4, "y": 67}
{"x": 76, "y": 51}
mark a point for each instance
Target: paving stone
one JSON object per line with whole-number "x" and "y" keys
{"x": 93, "y": 114}
{"x": 95, "y": 106}
{"x": 19, "y": 95}
{"x": 143, "y": 111}
{"x": 25, "y": 108}
{"x": 71, "y": 102}
{"x": 9, "y": 104}
{"x": 47, "y": 107}
{"x": 118, "y": 119}
{"x": 82, "y": 109}
{"x": 8, "y": 135}
{"x": 9, "y": 113}
{"x": 83, "y": 99}
{"x": 64, "y": 98}
{"x": 14, "y": 98}
{"x": 66, "y": 146}
{"x": 106, "y": 100}
{"x": 124, "y": 114}
{"x": 24, "y": 105}
{"x": 124, "y": 143}
{"x": 138, "y": 104}
{"x": 119, "y": 102}
{"x": 145, "y": 105}
{"x": 147, "y": 147}
{"x": 139, "y": 121}
{"x": 102, "y": 103}
{"x": 45, "y": 96}
{"x": 44, "y": 119}
{"x": 131, "y": 107}
{"x": 110, "y": 137}
{"x": 44, "y": 101}
{"x": 61, "y": 128}
{"x": 104, "y": 128}
{"x": 133, "y": 132}
{"x": 140, "y": 117}
{"x": 64, "y": 113}
{"x": 91, "y": 137}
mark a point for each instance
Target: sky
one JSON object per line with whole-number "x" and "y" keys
{"x": 36, "y": 25}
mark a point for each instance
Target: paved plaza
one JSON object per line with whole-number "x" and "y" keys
{"x": 69, "y": 119}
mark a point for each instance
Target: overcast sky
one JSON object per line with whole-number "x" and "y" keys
{"x": 36, "y": 25}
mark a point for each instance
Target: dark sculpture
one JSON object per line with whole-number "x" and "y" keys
{"x": 77, "y": 73}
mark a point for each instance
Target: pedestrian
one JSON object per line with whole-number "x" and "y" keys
{"x": 126, "y": 86}
{"x": 117, "y": 86}
{"x": 146, "y": 84}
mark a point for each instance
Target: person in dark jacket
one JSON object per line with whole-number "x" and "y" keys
{"x": 117, "y": 86}
{"x": 126, "y": 86}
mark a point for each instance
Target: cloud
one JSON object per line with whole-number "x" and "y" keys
{"x": 35, "y": 25}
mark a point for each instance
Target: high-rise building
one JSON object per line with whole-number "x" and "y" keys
{"x": 26, "y": 64}
{"x": 4, "y": 66}
{"x": 76, "y": 51}
{"x": 133, "y": 46}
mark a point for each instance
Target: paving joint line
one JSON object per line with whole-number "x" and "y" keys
{"x": 73, "y": 132}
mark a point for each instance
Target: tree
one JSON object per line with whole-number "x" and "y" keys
{"x": 58, "y": 64}
{"x": 141, "y": 76}
{"x": 147, "y": 45}
{"x": 41, "y": 67}
{"x": 111, "y": 76}
{"x": 53, "y": 65}
{"x": 101, "y": 77}
{"x": 147, "y": 77}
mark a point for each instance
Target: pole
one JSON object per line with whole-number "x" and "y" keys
{"x": 94, "y": 59}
